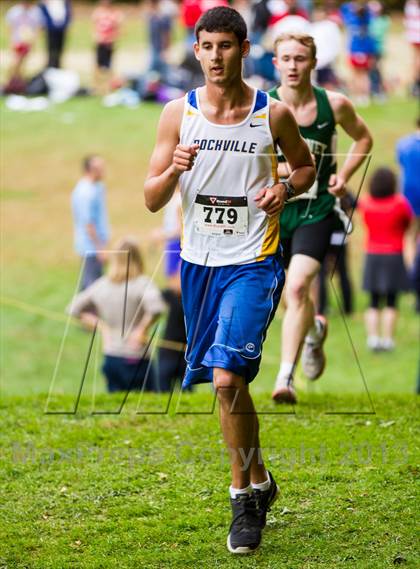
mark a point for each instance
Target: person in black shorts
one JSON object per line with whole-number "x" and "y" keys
{"x": 171, "y": 356}
{"x": 308, "y": 220}
{"x": 107, "y": 21}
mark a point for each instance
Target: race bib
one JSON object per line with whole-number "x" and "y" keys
{"x": 222, "y": 215}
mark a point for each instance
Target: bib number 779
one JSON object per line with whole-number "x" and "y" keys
{"x": 220, "y": 214}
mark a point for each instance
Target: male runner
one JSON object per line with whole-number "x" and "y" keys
{"x": 217, "y": 143}
{"x": 309, "y": 219}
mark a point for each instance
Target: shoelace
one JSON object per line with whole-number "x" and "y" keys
{"x": 259, "y": 499}
{"x": 246, "y": 513}
{"x": 312, "y": 342}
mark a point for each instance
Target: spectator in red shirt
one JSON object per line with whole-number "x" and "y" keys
{"x": 191, "y": 11}
{"x": 386, "y": 216}
{"x": 284, "y": 9}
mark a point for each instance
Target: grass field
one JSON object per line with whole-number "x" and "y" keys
{"x": 150, "y": 490}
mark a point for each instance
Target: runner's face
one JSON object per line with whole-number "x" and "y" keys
{"x": 97, "y": 167}
{"x": 294, "y": 61}
{"x": 220, "y": 56}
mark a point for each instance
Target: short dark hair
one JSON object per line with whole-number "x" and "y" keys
{"x": 383, "y": 183}
{"x": 222, "y": 19}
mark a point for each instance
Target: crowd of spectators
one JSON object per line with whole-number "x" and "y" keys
{"x": 362, "y": 26}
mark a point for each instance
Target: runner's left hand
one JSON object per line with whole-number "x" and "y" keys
{"x": 272, "y": 200}
{"x": 337, "y": 186}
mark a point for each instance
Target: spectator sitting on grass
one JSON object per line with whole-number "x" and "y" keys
{"x": 24, "y": 21}
{"x": 127, "y": 304}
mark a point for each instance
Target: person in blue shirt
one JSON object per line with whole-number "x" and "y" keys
{"x": 91, "y": 227}
{"x": 160, "y": 28}
{"x": 408, "y": 157}
{"x": 361, "y": 46}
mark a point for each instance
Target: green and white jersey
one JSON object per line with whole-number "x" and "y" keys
{"x": 321, "y": 136}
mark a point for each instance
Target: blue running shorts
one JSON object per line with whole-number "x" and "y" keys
{"x": 172, "y": 257}
{"x": 227, "y": 313}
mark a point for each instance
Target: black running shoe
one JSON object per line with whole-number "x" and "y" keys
{"x": 245, "y": 529}
{"x": 265, "y": 498}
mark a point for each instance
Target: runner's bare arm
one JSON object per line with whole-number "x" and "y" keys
{"x": 353, "y": 124}
{"x": 286, "y": 133}
{"x": 169, "y": 158}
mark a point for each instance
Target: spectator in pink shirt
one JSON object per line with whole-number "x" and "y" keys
{"x": 107, "y": 27}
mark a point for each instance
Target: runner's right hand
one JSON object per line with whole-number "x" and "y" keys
{"x": 184, "y": 156}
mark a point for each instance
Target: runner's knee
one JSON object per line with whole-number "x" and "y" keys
{"x": 297, "y": 292}
{"x": 227, "y": 383}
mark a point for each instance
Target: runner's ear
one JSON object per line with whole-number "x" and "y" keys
{"x": 245, "y": 47}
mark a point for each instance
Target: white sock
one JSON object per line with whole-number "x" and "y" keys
{"x": 262, "y": 485}
{"x": 286, "y": 369}
{"x": 234, "y": 491}
{"x": 373, "y": 342}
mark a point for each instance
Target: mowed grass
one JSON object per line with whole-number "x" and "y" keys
{"x": 150, "y": 489}
{"x": 134, "y": 491}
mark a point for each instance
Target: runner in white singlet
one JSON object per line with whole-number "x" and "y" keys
{"x": 217, "y": 144}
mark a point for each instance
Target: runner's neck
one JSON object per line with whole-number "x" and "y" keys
{"x": 221, "y": 101}
{"x": 296, "y": 98}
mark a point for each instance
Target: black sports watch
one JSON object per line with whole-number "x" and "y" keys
{"x": 290, "y": 190}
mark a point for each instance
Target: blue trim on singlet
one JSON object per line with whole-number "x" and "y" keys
{"x": 260, "y": 101}
{"x": 192, "y": 99}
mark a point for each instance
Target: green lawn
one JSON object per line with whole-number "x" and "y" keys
{"x": 150, "y": 489}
